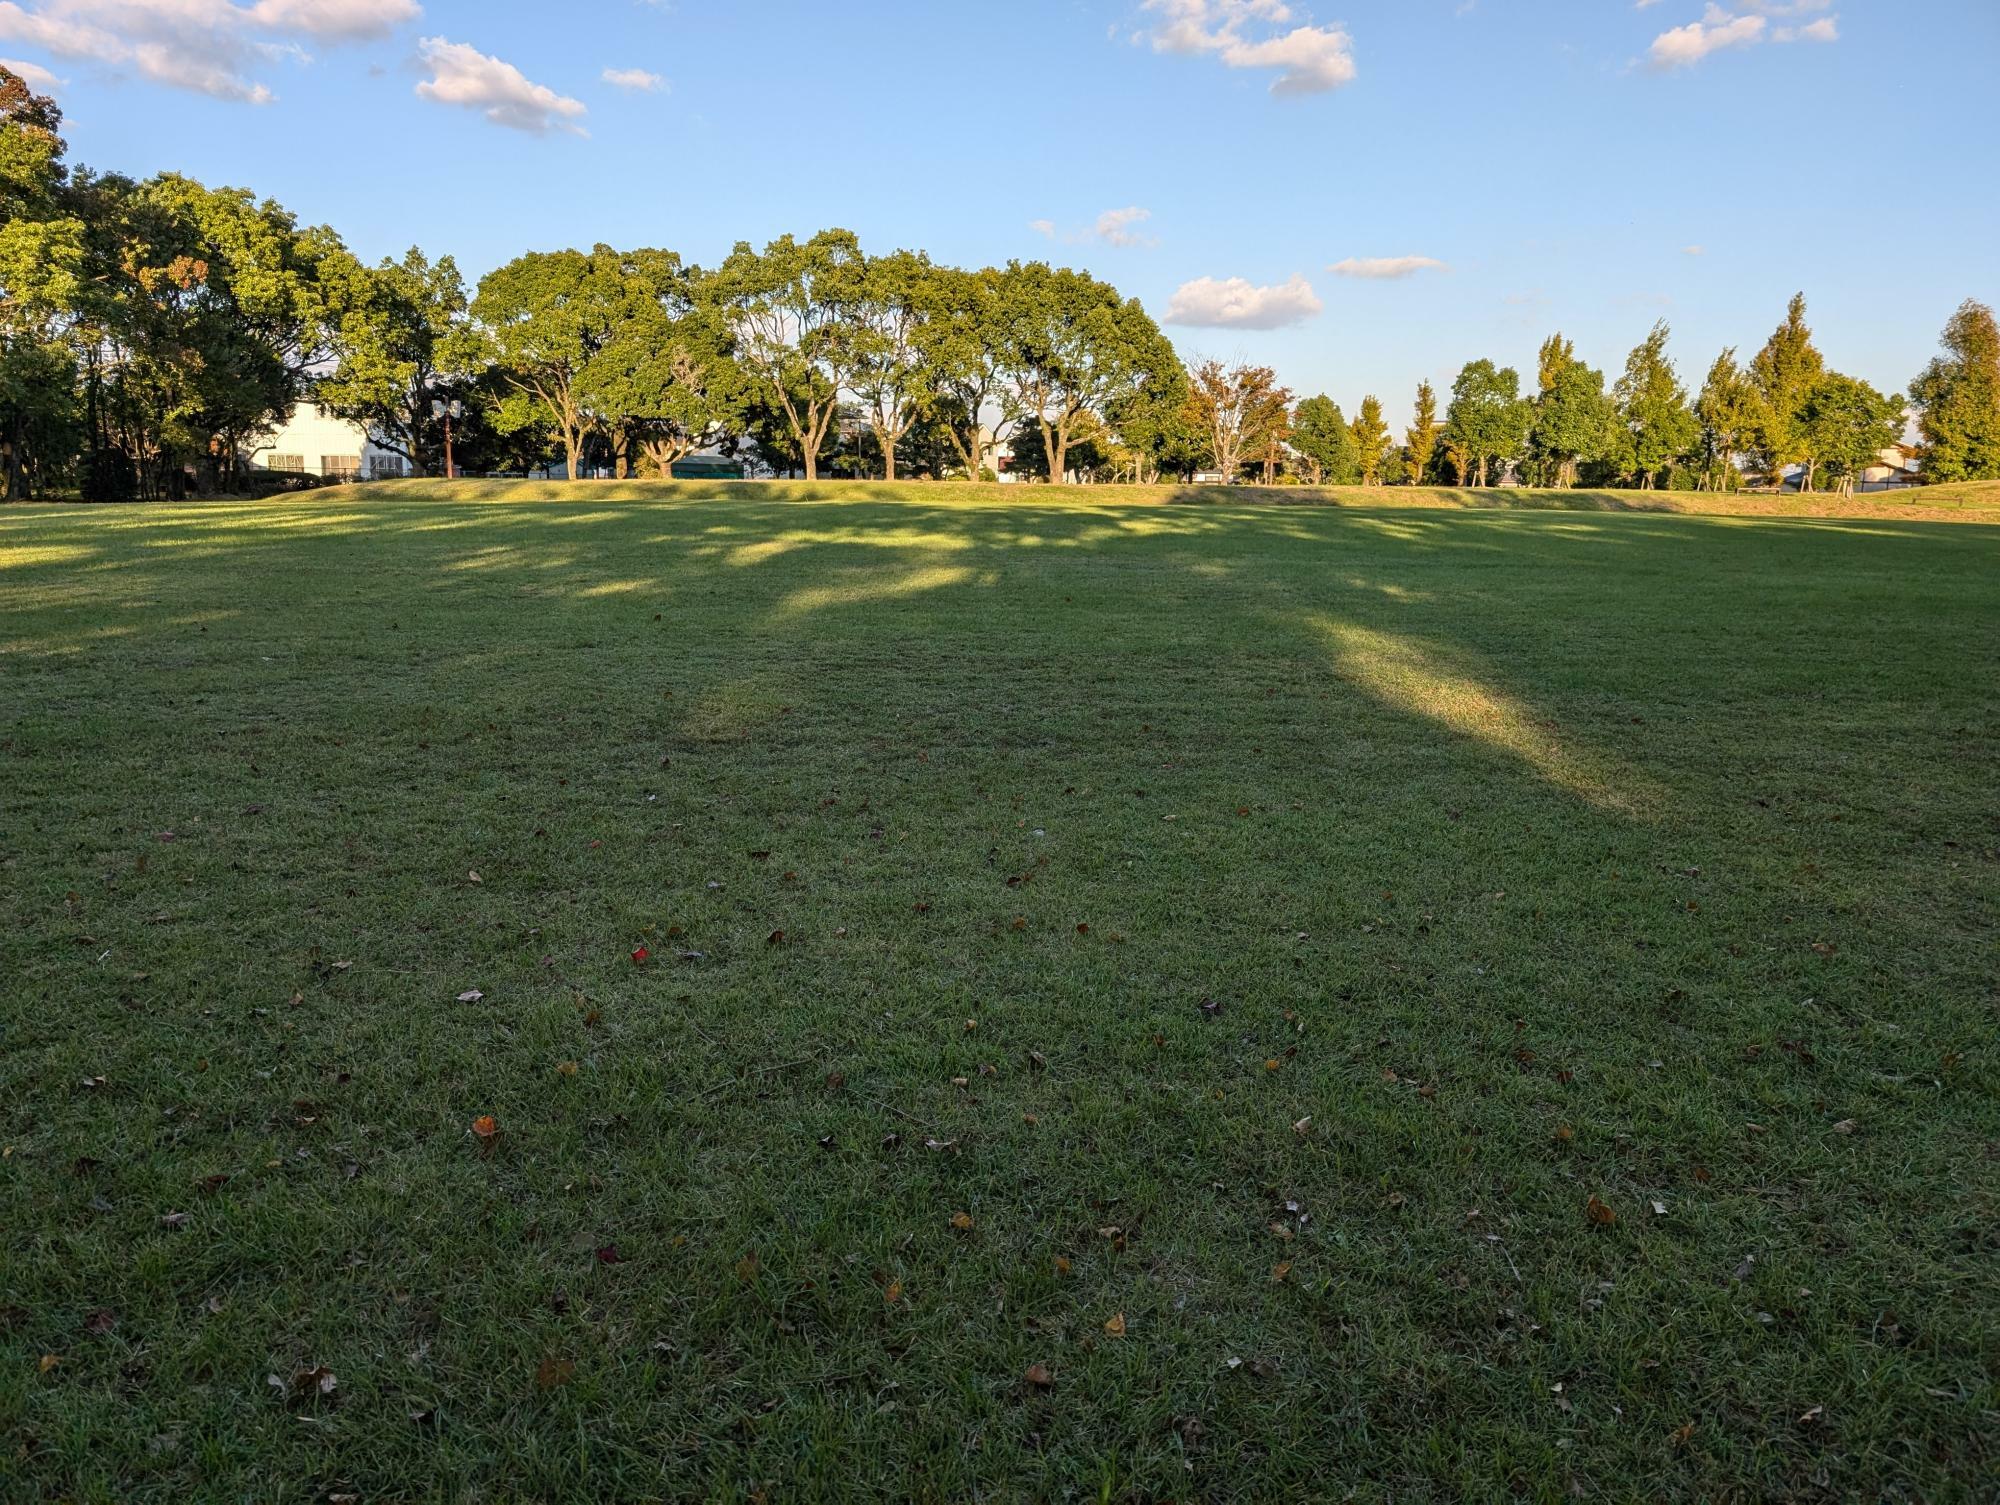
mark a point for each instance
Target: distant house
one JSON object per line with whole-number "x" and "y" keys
{"x": 313, "y": 442}
{"x": 1897, "y": 466}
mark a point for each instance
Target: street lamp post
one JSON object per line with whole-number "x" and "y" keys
{"x": 447, "y": 411}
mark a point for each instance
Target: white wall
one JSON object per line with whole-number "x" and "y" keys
{"x": 316, "y": 437}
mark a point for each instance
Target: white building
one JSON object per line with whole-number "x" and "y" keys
{"x": 315, "y": 443}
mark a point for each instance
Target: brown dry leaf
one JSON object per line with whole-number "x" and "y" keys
{"x": 1682, "y": 1434}
{"x": 1114, "y": 1327}
{"x": 473, "y": 878}
{"x": 566, "y": 1068}
{"x": 1279, "y": 1272}
{"x": 1062, "y": 1264}
{"x": 1271, "y": 1064}
{"x": 1846, "y": 1126}
{"x": 1038, "y": 1375}
{"x": 553, "y": 1373}
{"x": 962, "y": 1221}
{"x": 1282, "y": 1231}
{"x": 775, "y": 938}
{"x": 48, "y": 1361}
{"x": 971, "y": 1025}
{"x": 1303, "y": 1127}
{"x": 892, "y": 1292}
{"x": 486, "y": 1126}
{"x": 1565, "y": 1133}
{"x": 1598, "y": 1213}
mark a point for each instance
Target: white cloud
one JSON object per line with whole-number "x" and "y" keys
{"x": 336, "y": 20}
{"x": 1257, "y": 34}
{"x": 1237, "y": 303}
{"x": 636, "y": 79}
{"x": 1384, "y": 267}
{"x": 212, "y": 47}
{"x": 464, "y": 76}
{"x": 1720, "y": 29}
{"x": 34, "y": 75}
{"x": 1115, "y": 227}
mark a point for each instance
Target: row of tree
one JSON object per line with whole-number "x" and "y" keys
{"x": 150, "y": 330}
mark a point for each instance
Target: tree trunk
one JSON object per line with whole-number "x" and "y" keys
{"x": 888, "y": 455}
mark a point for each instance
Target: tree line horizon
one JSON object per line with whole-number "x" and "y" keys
{"x": 151, "y": 329}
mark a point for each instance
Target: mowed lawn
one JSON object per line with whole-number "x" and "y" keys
{"x": 1138, "y": 1002}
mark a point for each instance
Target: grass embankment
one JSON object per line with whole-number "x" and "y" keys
{"x": 1141, "y": 1001}
{"x": 1979, "y": 501}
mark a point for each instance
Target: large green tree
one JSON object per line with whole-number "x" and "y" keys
{"x": 893, "y": 376}
{"x": 795, "y": 308}
{"x": 664, "y": 383}
{"x": 1653, "y": 408}
{"x": 545, "y": 317}
{"x": 1784, "y": 374}
{"x": 1371, "y": 441}
{"x": 403, "y": 350}
{"x": 1728, "y": 410}
{"x": 1322, "y": 438}
{"x": 1847, "y": 424}
{"x": 1420, "y": 439}
{"x": 41, "y": 272}
{"x": 1487, "y": 422}
{"x": 1071, "y": 349}
{"x": 1574, "y": 422}
{"x": 1957, "y": 399}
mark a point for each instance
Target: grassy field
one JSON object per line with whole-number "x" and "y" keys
{"x": 737, "y": 994}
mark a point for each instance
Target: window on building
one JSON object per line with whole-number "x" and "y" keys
{"x": 386, "y": 467}
{"x": 340, "y": 465}
{"x": 285, "y": 462}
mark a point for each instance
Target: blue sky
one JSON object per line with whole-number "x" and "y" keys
{"x": 1583, "y": 165}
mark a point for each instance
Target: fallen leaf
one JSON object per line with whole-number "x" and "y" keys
{"x": 1812, "y": 1415}
{"x": 1271, "y": 1064}
{"x": 1303, "y": 1127}
{"x": 1598, "y": 1213}
{"x": 1681, "y": 1434}
{"x": 747, "y": 1267}
{"x": 893, "y": 1292}
{"x": 1038, "y": 1375}
{"x": 775, "y": 938}
{"x": 474, "y": 878}
{"x": 470, "y": 995}
{"x": 962, "y": 1221}
{"x": 1846, "y": 1126}
{"x": 609, "y": 1255}
{"x": 1280, "y": 1271}
{"x": 1114, "y": 1327}
{"x": 175, "y": 1219}
{"x": 551, "y": 1373}
{"x": 48, "y": 1361}
{"x": 1282, "y": 1231}
{"x": 486, "y": 1126}
{"x": 566, "y": 1068}
{"x": 1062, "y": 1264}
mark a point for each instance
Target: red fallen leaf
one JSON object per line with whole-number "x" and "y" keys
{"x": 1083, "y": 928}
{"x": 1038, "y": 1375}
{"x": 775, "y": 938}
{"x": 1598, "y": 1213}
{"x": 609, "y": 1255}
{"x": 486, "y": 1126}
{"x": 640, "y": 956}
